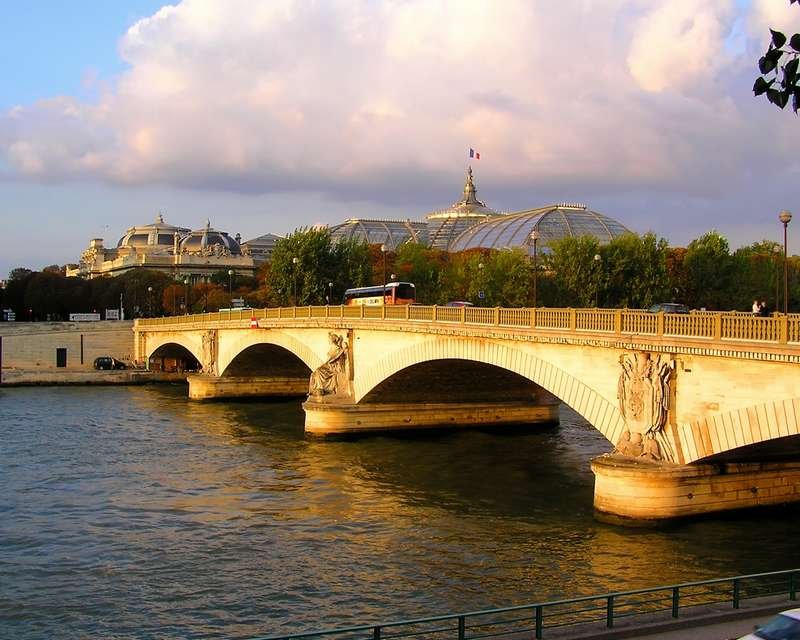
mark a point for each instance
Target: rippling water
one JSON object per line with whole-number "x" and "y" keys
{"x": 129, "y": 512}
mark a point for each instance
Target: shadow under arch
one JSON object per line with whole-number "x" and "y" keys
{"x": 266, "y": 359}
{"x": 172, "y": 357}
{"x": 599, "y": 412}
{"x": 172, "y": 341}
{"x": 239, "y": 344}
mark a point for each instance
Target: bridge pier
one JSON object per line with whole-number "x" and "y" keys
{"x": 347, "y": 418}
{"x": 636, "y": 491}
{"x": 207, "y": 387}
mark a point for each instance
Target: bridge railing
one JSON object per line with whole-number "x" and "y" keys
{"x": 732, "y": 326}
{"x": 590, "y": 612}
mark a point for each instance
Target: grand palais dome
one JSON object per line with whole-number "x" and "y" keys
{"x": 206, "y": 239}
{"x": 552, "y": 222}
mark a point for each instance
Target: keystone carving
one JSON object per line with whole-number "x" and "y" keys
{"x": 643, "y": 394}
{"x": 332, "y": 377}
{"x": 209, "y": 351}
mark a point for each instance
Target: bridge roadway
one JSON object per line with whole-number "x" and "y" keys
{"x": 702, "y": 408}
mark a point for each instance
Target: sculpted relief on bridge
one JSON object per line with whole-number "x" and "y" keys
{"x": 331, "y": 380}
{"x": 644, "y": 395}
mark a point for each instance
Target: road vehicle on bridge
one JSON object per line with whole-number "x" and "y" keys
{"x": 390, "y": 293}
{"x": 668, "y": 307}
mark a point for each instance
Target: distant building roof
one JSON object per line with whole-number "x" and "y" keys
{"x": 392, "y": 233}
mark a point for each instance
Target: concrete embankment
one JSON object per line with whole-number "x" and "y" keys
{"x": 54, "y": 353}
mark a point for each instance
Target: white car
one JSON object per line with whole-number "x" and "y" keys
{"x": 784, "y": 626}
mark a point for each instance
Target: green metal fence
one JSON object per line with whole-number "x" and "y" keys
{"x": 534, "y": 620}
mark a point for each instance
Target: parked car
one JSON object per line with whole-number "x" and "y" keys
{"x": 669, "y": 307}
{"x": 459, "y": 303}
{"x": 784, "y": 626}
{"x": 108, "y": 363}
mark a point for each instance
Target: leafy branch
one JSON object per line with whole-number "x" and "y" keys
{"x": 779, "y": 70}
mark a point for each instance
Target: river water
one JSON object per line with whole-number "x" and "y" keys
{"x": 130, "y": 512}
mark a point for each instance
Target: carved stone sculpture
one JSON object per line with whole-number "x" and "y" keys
{"x": 643, "y": 394}
{"x": 331, "y": 377}
{"x": 209, "y": 351}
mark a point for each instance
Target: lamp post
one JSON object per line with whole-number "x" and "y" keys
{"x": 150, "y": 301}
{"x": 186, "y": 295}
{"x": 230, "y": 285}
{"x": 535, "y": 239}
{"x": 330, "y": 293}
{"x": 777, "y": 251}
{"x": 785, "y": 217}
{"x": 597, "y": 259}
{"x": 294, "y": 281}
{"x": 383, "y": 251}
{"x": 480, "y": 284}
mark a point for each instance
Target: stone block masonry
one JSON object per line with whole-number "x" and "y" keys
{"x": 33, "y": 346}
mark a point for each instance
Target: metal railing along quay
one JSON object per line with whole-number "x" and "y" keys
{"x": 535, "y": 620}
{"x": 709, "y": 325}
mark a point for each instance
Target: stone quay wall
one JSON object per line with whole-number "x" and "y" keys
{"x": 31, "y": 347}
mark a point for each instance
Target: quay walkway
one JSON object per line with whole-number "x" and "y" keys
{"x": 701, "y": 609}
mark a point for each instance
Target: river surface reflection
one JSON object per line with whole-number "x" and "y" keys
{"x": 130, "y": 512}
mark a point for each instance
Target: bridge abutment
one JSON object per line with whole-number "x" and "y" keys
{"x": 208, "y": 387}
{"x": 340, "y": 418}
{"x": 634, "y": 491}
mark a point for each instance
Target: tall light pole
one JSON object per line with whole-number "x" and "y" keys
{"x": 150, "y": 301}
{"x": 230, "y": 285}
{"x": 383, "y": 251}
{"x": 597, "y": 259}
{"x": 785, "y": 217}
{"x": 330, "y": 293}
{"x": 186, "y": 295}
{"x": 294, "y": 281}
{"x": 535, "y": 239}
{"x": 480, "y": 283}
{"x": 777, "y": 251}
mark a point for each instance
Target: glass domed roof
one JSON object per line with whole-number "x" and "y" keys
{"x": 553, "y": 222}
{"x": 392, "y": 233}
{"x": 446, "y": 225}
{"x": 206, "y": 238}
{"x": 158, "y": 235}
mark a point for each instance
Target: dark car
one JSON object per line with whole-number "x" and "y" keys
{"x": 669, "y": 307}
{"x": 108, "y": 363}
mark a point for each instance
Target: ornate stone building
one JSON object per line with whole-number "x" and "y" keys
{"x": 164, "y": 247}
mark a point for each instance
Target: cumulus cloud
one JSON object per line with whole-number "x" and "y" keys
{"x": 361, "y": 96}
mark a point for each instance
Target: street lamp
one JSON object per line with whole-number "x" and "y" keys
{"x": 383, "y": 251}
{"x": 535, "y": 239}
{"x": 785, "y": 217}
{"x": 186, "y": 295}
{"x": 230, "y": 285}
{"x": 150, "y": 301}
{"x": 777, "y": 251}
{"x": 330, "y": 293}
{"x": 294, "y": 281}
{"x": 597, "y": 260}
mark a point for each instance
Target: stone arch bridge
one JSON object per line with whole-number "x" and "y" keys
{"x": 701, "y": 410}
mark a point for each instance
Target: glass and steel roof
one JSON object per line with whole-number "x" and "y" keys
{"x": 445, "y": 225}
{"x": 392, "y": 233}
{"x": 553, "y": 222}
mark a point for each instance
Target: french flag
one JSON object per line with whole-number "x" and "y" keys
{"x": 474, "y": 154}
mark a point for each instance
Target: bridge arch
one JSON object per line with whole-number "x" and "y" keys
{"x": 724, "y": 432}
{"x": 232, "y": 346}
{"x": 601, "y": 413}
{"x": 191, "y": 342}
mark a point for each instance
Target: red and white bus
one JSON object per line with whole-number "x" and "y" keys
{"x": 390, "y": 293}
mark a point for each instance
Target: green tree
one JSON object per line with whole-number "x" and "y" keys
{"x": 424, "y": 266}
{"x": 709, "y": 271}
{"x": 576, "y": 274}
{"x": 758, "y": 272}
{"x": 633, "y": 271}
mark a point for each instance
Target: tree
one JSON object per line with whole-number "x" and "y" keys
{"x": 424, "y": 266}
{"x": 633, "y": 271}
{"x": 575, "y": 271}
{"x": 709, "y": 270}
{"x": 779, "y": 72}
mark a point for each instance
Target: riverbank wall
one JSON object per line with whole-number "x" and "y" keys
{"x": 64, "y": 352}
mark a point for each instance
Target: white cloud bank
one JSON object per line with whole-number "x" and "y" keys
{"x": 337, "y": 96}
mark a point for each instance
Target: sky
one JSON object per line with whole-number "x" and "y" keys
{"x": 270, "y": 116}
